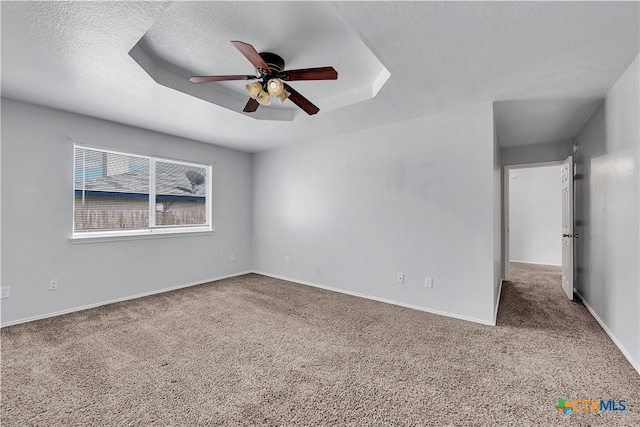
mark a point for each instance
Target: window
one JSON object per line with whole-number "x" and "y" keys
{"x": 125, "y": 194}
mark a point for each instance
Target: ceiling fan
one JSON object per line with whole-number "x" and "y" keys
{"x": 271, "y": 77}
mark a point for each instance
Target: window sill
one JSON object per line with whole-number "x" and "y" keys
{"x": 157, "y": 233}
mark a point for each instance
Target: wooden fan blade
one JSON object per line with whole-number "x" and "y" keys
{"x": 301, "y": 101}
{"x": 251, "y": 54}
{"x": 202, "y": 79}
{"x": 319, "y": 73}
{"x": 251, "y": 106}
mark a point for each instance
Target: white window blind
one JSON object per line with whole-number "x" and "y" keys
{"x": 119, "y": 193}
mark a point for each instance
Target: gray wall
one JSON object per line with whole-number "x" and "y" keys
{"x": 537, "y": 153}
{"x": 608, "y": 214}
{"x": 535, "y": 215}
{"x": 498, "y": 221}
{"x": 37, "y": 201}
{"x": 415, "y": 197}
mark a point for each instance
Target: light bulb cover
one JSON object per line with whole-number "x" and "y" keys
{"x": 263, "y": 98}
{"x": 254, "y": 89}
{"x": 283, "y": 96}
{"x": 275, "y": 87}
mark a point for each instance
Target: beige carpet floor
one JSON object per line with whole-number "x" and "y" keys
{"x": 253, "y": 350}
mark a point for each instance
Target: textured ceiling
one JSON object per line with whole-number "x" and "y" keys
{"x": 534, "y": 57}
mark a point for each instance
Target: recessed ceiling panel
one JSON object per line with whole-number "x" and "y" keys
{"x": 194, "y": 38}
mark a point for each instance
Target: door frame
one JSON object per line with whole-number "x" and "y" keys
{"x": 507, "y": 169}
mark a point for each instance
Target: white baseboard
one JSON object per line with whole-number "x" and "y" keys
{"x": 535, "y": 263}
{"x": 445, "y": 313}
{"x": 374, "y": 298}
{"x": 145, "y": 294}
{"x": 315, "y": 285}
{"x": 624, "y": 351}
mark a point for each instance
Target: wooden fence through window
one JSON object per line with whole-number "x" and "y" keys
{"x": 97, "y": 219}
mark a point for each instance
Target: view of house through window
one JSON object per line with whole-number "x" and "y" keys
{"x": 117, "y": 191}
{"x": 180, "y": 204}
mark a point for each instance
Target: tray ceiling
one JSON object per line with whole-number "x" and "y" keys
{"x": 305, "y": 35}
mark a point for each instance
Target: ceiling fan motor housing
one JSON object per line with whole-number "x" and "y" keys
{"x": 275, "y": 62}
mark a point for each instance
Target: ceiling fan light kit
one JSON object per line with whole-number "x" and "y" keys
{"x": 271, "y": 78}
{"x": 275, "y": 87}
{"x": 283, "y": 96}
{"x": 264, "y": 98}
{"x": 254, "y": 89}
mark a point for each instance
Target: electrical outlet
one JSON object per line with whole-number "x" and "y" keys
{"x": 53, "y": 284}
{"x": 286, "y": 259}
{"x": 428, "y": 282}
{"x": 5, "y": 292}
{"x": 232, "y": 257}
{"x": 400, "y": 278}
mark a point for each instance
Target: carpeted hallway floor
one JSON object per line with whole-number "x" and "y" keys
{"x": 253, "y": 350}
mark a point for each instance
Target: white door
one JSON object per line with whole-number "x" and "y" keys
{"x": 567, "y": 226}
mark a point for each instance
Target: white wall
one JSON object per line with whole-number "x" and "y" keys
{"x": 535, "y": 215}
{"x": 608, "y": 213}
{"x": 37, "y": 200}
{"x": 415, "y": 197}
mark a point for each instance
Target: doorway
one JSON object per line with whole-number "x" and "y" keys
{"x": 533, "y": 215}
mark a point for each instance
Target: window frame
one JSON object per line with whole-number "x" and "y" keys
{"x": 152, "y": 230}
